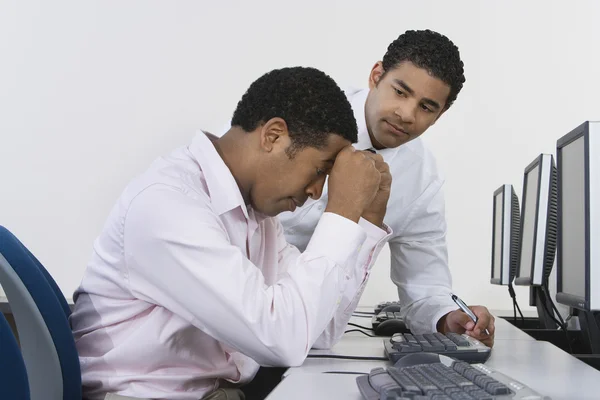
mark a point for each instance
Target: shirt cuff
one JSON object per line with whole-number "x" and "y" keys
{"x": 438, "y": 315}
{"x": 337, "y": 238}
{"x": 374, "y": 232}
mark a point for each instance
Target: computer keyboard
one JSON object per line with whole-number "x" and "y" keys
{"x": 381, "y": 306}
{"x": 461, "y": 347}
{"x": 444, "y": 379}
{"x": 384, "y": 316}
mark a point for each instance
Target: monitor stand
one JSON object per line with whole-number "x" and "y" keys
{"x": 538, "y": 298}
{"x": 589, "y": 321}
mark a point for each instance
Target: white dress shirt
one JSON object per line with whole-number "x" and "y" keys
{"x": 415, "y": 213}
{"x": 187, "y": 287}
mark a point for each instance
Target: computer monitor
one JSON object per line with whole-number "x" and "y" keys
{"x": 578, "y": 252}
{"x": 505, "y": 235}
{"x": 538, "y": 234}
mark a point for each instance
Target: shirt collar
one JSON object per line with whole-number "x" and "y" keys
{"x": 223, "y": 190}
{"x": 357, "y": 102}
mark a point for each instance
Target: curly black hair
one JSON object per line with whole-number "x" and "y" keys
{"x": 431, "y": 51}
{"x": 308, "y": 100}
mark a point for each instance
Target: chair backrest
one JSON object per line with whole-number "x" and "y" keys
{"x": 41, "y": 313}
{"x": 13, "y": 375}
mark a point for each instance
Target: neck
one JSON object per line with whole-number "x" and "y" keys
{"x": 233, "y": 148}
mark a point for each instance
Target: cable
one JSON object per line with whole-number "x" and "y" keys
{"x": 512, "y": 293}
{"x": 518, "y": 308}
{"x": 561, "y": 324}
{"x": 358, "y": 330}
{"x": 347, "y": 357}
{"x": 360, "y": 326}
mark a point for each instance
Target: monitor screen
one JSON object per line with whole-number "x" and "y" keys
{"x": 528, "y": 220}
{"x": 572, "y": 196}
{"x": 497, "y": 250}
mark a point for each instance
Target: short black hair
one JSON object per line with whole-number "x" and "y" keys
{"x": 308, "y": 100}
{"x": 431, "y": 51}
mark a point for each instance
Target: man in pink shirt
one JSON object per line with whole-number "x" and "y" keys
{"x": 191, "y": 285}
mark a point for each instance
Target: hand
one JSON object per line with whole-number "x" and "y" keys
{"x": 353, "y": 183}
{"x": 375, "y": 212}
{"x": 459, "y": 322}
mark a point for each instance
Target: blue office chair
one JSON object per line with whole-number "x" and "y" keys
{"x": 13, "y": 375}
{"x": 41, "y": 314}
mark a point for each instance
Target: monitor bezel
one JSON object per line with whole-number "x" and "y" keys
{"x": 545, "y": 164}
{"x": 505, "y": 277}
{"x": 582, "y": 303}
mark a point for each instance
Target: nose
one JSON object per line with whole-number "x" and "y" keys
{"x": 406, "y": 111}
{"x": 315, "y": 189}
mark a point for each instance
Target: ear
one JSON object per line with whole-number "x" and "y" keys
{"x": 274, "y": 134}
{"x": 376, "y": 73}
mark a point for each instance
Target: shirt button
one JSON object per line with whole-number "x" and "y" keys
{"x": 320, "y": 207}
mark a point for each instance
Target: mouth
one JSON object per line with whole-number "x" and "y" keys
{"x": 397, "y": 130}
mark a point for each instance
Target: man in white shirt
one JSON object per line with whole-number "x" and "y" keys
{"x": 191, "y": 285}
{"x": 418, "y": 79}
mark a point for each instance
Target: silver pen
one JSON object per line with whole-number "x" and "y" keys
{"x": 461, "y": 304}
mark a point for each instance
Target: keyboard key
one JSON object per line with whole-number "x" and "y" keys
{"x": 461, "y": 396}
{"x": 472, "y": 388}
{"x": 496, "y": 388}
{"x": 434, "y": 392}
{"x": 438, "y": 347}
{"x": 449, "y": 345}
{"x": 434, "y": 376}
{"x": 403, "y": 380}
{"x": 440, "y": 396}
{"x": 393, "y": 393}
{"x": 460, "y": 367}
{"x": 472, "y": 373}
{"x": 458, "y": 339}
{"x": 408, "y": 348}
{"x": 420, "y": 380}
{"x": 481, "y": 395}
{"x": 410, "y": 338}
{"x": 426, "y": 346}
{"x": 483, "y": 380}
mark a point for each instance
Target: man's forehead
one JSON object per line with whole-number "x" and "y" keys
{"x": 419, "y": 80}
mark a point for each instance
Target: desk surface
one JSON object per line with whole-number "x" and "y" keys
{"x": 540, "y": 365}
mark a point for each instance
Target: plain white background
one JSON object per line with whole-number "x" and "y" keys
{"x": 92, "y": 91}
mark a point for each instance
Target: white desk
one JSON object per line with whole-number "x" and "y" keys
{"x": 540, "y": 365}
